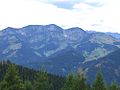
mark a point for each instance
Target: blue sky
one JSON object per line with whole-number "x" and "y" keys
{"x": 98, "y": 15}
{"x": 68, "y": 4}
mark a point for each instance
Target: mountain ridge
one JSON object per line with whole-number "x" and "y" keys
{"x": 43, "y": 33}
{"x": 58, "y": 49}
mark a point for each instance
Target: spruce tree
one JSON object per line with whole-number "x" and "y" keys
{"x": 114, "y": 86}
{"x": 70, "y": 83}
{"x": 42, "y": 81}
{"x": 28, "y": 85}
{"x": 11, "y": 80}
{"x": 81, "y": 81}
{"x": 99, "y": 83}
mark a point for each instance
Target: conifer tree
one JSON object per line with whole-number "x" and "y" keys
{"x": 99, "y": 83}
{"x": 11, "y": 80}
{"x": 42, "y": 81}
{"x": 114, "y": 86}
{"x": 28, "y": 85}
{"x": 81, "y": 81}
{"x": 70, "y": 83}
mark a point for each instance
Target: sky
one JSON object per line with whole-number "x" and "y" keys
{"x": 96, "y": 15}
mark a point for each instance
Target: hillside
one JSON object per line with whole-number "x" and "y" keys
{"x": 108, "y": 65}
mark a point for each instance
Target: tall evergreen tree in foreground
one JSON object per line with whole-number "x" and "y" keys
{"x": 42, "y": 81}
{"x": 11, "y": 80}
{"x": 28, "y": 85}
{"x": 81, "y": 81}
{"x": 75, "y": 82}
{"x": 70, "y": 82}
{"x": 114, "y": 86}
{"x": 99, "y": 83}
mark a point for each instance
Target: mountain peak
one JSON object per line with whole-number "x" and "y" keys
{"x": 76, "y": 29}
{"x": 53, "y": 27}
{"x": 31, "y": 26}
{"x": 10, "y": 28}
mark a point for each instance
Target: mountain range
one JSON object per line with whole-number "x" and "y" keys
{"x": 62, "y": 50}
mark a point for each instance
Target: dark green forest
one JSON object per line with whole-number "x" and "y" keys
{"x": 16, "y": 77}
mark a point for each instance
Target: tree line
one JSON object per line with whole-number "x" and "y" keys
{"x": 41, "y": 80}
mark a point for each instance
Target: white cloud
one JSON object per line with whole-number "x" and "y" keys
{"x": 96, "y": 1}
{"x": 106, "y": 17}
{"x": 19, "y": 13}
